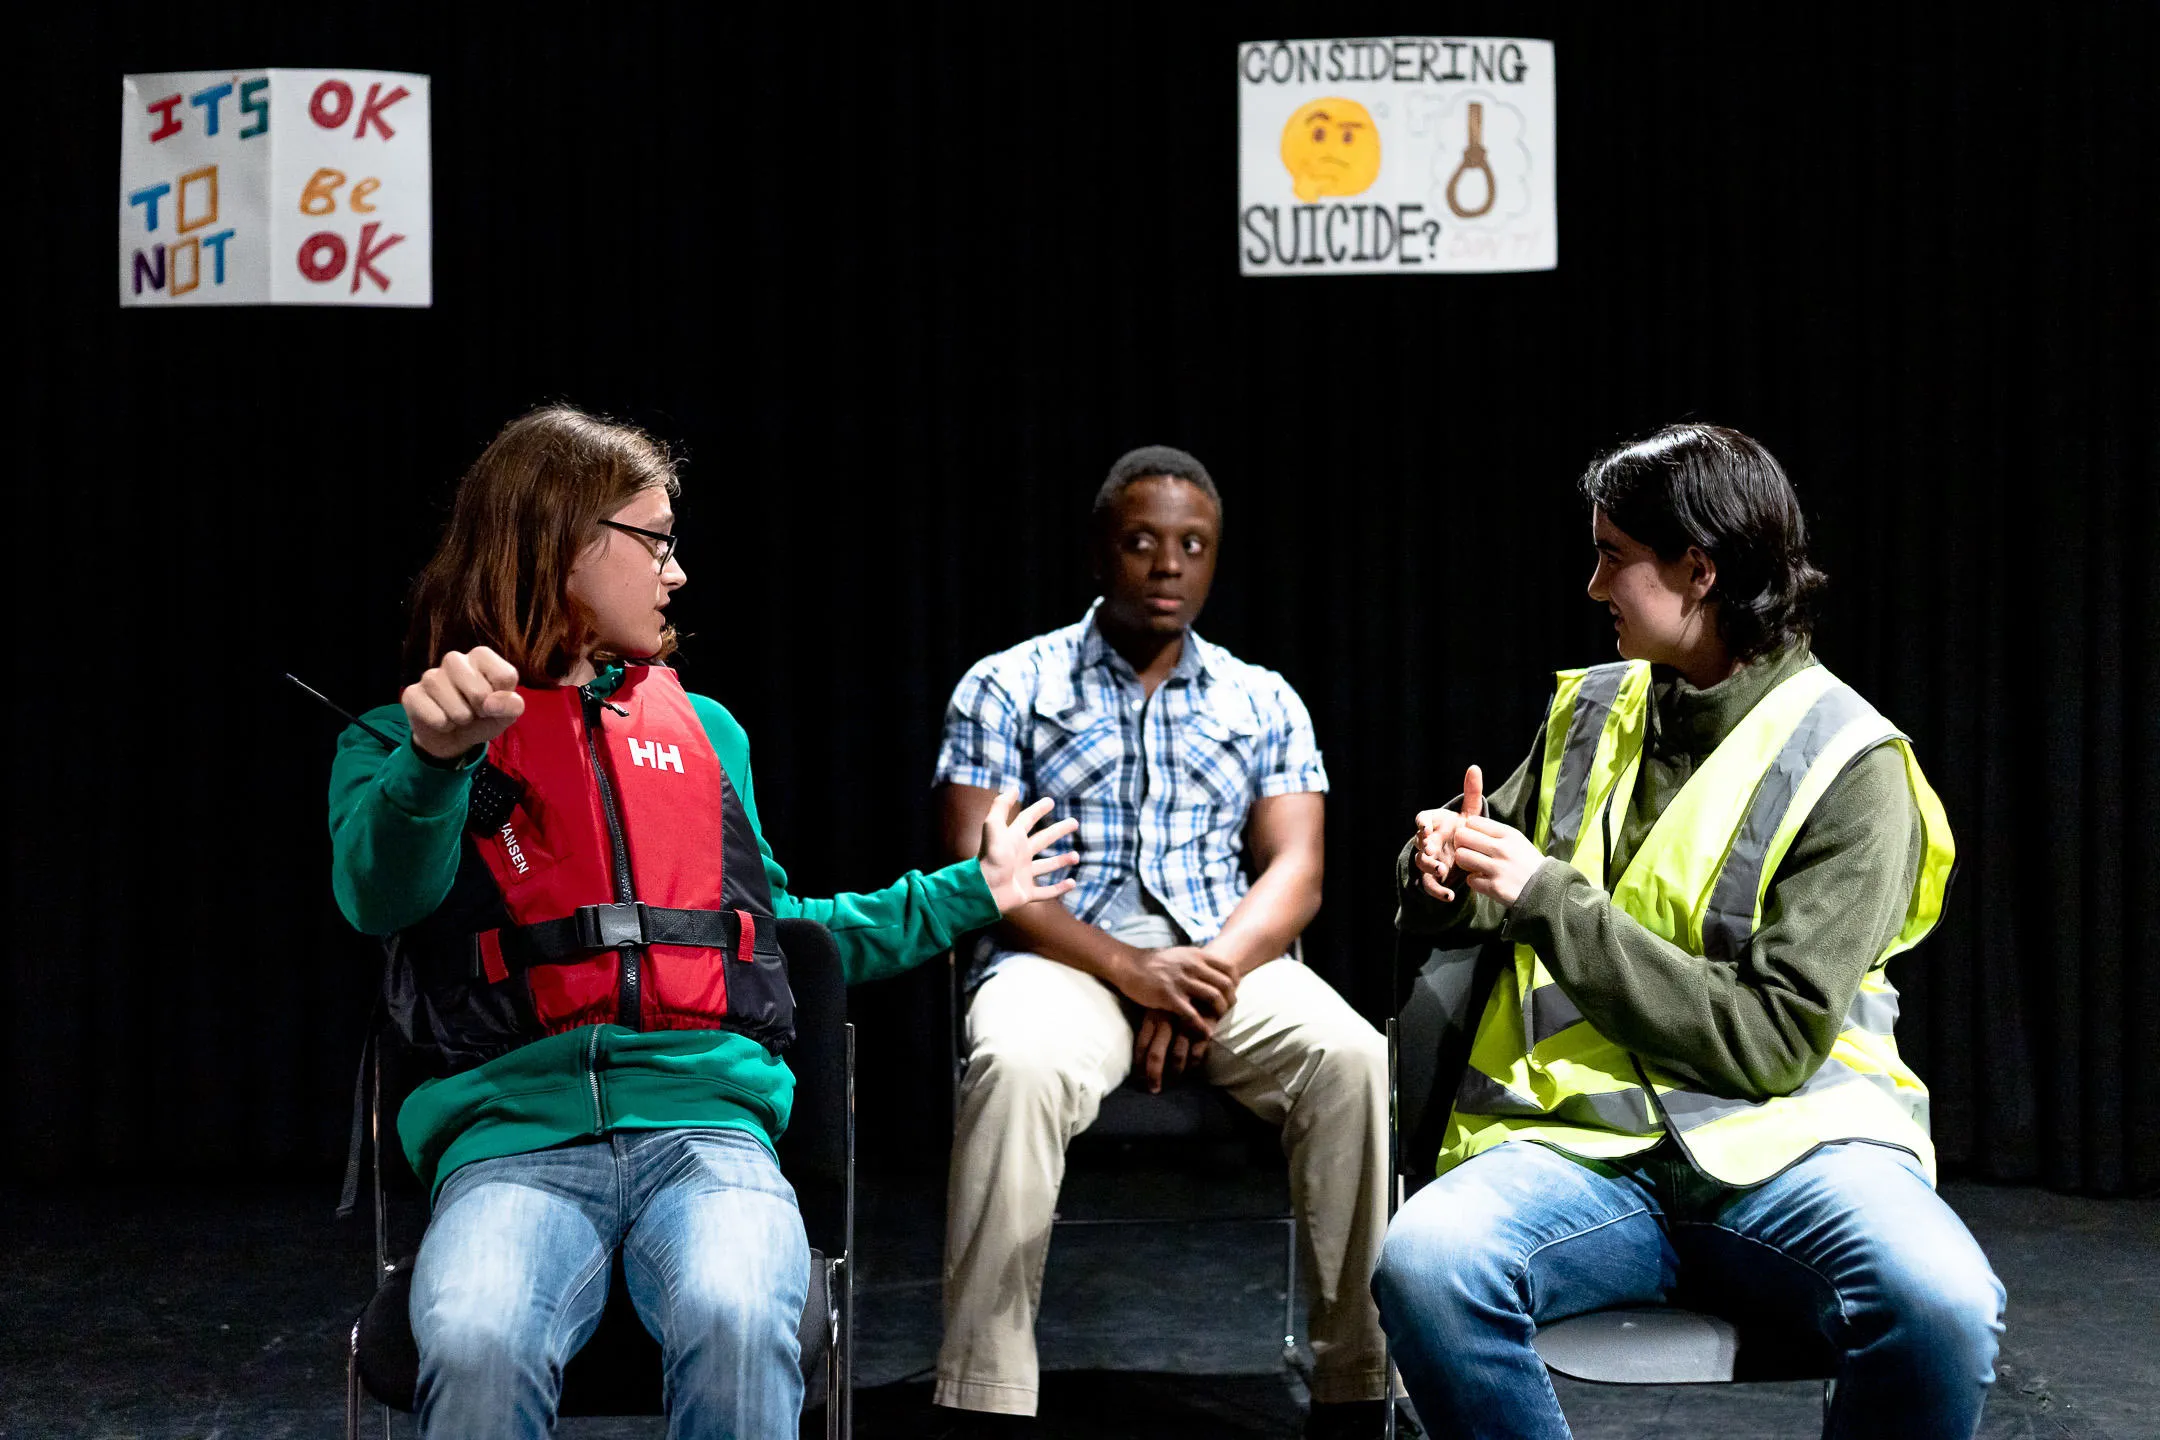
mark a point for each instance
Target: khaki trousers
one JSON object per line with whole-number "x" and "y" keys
{"x": 1045, "y": 1043}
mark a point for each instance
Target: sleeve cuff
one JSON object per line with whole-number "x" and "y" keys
{"x": 980, "y": 778}
{"x": 425, "y": 790}
{"x": 973, "y": 907}
{"x": 1415, "y": 911}
{"x": 1298, "y": 782}
{"x": 1536, "y": 912}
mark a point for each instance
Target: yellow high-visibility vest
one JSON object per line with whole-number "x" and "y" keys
{"x": 1539, "y": 1071}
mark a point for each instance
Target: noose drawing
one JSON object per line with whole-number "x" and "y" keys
{"x": 1473, "y": 158}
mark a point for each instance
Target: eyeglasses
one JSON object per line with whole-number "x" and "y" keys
{"x": 663, "y": 545}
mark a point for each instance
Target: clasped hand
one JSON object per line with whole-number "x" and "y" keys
{"x": 1182, "y": 991}
{"x": 1491, "y": 858}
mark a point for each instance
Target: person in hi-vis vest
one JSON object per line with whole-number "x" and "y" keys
{"x": 1684, "y": 1079}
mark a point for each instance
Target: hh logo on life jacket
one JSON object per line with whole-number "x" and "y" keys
{"x": 653, "y": 753}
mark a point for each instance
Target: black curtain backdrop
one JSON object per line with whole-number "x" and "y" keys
{"x": 899, "y": 283}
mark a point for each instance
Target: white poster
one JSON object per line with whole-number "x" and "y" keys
{"x": 275, "y": 187}
{"x": 1400, "y": 156}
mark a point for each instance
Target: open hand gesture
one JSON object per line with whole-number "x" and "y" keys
{"x": 1436, "y": 836}
{"x": 1009, "y": 856}
{"x": 467, "y": 700}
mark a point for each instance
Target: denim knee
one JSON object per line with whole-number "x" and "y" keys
{"x": 1437, "y": 1267}
{"x": 1949, "y": 1301}
{"x": 718, "y": 1297}
{"x": 467, "y": 1342}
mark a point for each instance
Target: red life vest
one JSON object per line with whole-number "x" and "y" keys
{"x": 610, "y": 876}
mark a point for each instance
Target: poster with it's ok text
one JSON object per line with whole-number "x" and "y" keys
{"x": 275, "y": 187}
{"x": 1406, "y": 155}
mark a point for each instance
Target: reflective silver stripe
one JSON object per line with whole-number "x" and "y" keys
{"x": 1626, "y": 1112}
{"x": 1874, "y": 1011}
{"x": 1546, "y": 1012}
{"x": 1593, "y": 702}
{"x": 1480, "y": 1094}
{"x": 1730, "y": 919}
{"x": 1692, "y": 1109}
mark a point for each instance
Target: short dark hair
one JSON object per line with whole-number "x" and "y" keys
{"x": 1141, "y": 464}
{"x": 1718, "y": 490}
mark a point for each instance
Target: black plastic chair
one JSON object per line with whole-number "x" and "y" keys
{"x": 618, "y": 1370}
{"x": 1440, "y": 996}
{"x": 1180, "y": 1116}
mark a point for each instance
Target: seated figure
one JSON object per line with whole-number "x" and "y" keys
{"x": 1685, "y": 1078}
{"x": 561, "y": 845}
{"x": 1179, "y": 761}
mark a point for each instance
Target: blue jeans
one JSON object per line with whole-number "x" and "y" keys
{"x": 513, "y": 1275}
{"x": 1851, "y": 1242}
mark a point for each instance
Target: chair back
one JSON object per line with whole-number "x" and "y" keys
{"x": 814, "y": 1151}
{"x": 1440, "y": 995}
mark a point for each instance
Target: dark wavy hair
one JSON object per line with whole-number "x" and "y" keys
{"x": 1723, "y": 493}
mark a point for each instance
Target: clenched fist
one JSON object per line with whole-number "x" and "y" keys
{"x": 467, "y": 700}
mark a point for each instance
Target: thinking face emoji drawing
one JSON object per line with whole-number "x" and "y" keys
{"x": 1330, "y": 148}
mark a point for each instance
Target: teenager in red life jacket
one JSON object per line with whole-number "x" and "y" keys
{"x": 563, "y": 854}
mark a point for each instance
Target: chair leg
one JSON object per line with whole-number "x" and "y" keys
{"x": 1387, "y": 1381}
{"x": 352, "y": 1384}
{"x": 832, "y": 1352}
{"x": 1289, "y": 1319}
{"x": 846, "y": 1348}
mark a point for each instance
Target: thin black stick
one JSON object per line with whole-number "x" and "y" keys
{"x": 388, "y": 743}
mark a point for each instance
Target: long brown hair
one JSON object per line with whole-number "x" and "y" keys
{"x": 524, "y": 512}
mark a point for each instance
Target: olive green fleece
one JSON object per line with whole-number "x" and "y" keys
{"x": 1752, "y": 1027}
{"x": 397, "y": 823}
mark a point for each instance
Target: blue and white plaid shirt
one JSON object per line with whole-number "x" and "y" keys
{"x": 1160, "y": 785}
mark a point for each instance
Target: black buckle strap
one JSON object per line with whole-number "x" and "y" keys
{"x": 610, "y": 927}
{"x": 615, "y": 927}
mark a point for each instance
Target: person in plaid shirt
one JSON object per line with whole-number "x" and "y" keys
{"x": 1185, "y": 768}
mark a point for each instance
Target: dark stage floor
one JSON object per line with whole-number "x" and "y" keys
{"x": 222, "y": 1314}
